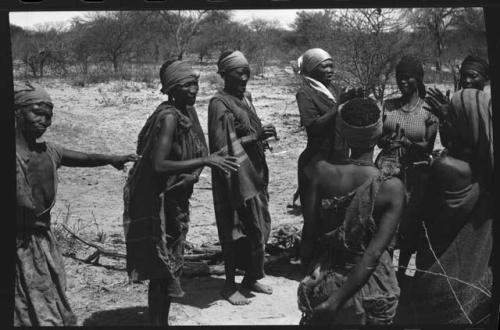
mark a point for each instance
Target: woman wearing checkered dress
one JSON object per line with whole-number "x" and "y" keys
{"x": 408, "y": 138}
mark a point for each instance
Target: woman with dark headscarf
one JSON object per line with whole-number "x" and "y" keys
{"x": 156, "y": 214}
{"x": 409, "y": 135}
{"x": 240, "y": 199}
{"x": 473, "y": 74}
{"x": 318, "y": 99}
{"x": 40, "y": 279}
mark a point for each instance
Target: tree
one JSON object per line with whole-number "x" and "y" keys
{"x": 369, "y": 45}
{"x": 114, "y": 36}
{"x": 212, "y": 35}
{"x": 46, "y": 45}
{"x": 435, "y": 22}
{"x": 180, "y": 27}
{"x": 315, "y": 29}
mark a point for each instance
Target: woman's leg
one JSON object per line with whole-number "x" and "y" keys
{"x": 230, "y": 291}
{"x": 159, "y": 302}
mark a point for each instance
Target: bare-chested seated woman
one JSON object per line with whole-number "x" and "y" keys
{"x": 351, "y": 214}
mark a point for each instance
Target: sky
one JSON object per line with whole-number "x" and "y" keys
{"x": 31, "y": 19}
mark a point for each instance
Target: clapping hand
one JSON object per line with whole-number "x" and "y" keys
{"x": 397, "y": 138}
{"x": 119, "y": 162}
{"x": 351, "y": 93}
{"x": 222, "y": 162}
{"x": 185, "y": 180}
{"x": 267, "y": 132}
{"x": 438, "y": 103}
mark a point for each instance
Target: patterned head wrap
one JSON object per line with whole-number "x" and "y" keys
{"x": 234, "y": 60}
{"x": 475, "y": 63}
{"x": 177, "y": 73}
{"x": 360, "y": 136}
{"x": 28, "y": 93}
{"x": 311, "y": 59}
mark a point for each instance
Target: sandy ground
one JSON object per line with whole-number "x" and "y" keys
{"x": 106, "y": 118}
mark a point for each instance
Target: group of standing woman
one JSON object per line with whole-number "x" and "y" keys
{"x": 447, "y": 204}
{"x": 171, "y": 153}
{"x": 342, "y": 130}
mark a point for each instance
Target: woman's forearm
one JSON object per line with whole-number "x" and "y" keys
{"x": 182, "y": 166}
{"x": 74, "y": 158}
{"x": 323, "y": 122}
{"x": 356, "y": 279}
{"x": 249, "y": 139}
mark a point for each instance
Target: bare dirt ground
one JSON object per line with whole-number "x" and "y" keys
{"x": 106, "y": 118}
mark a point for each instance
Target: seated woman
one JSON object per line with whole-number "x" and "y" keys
{"x": 157, "y": 192}
{"x": 40, "y": 279}
{"x": 408, "y": 138}
{"x": 351, "y": 214}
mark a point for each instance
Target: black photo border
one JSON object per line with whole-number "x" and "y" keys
{"x": 7, "y": 137}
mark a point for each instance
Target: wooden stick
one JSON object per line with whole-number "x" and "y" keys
{"x": 99, "y": 249}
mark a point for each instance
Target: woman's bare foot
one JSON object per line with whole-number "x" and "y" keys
{"x": 231, "y": 294}
{"x": 256, "y": 287}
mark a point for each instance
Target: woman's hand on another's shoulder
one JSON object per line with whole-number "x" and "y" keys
{"x": 119, "y": 162}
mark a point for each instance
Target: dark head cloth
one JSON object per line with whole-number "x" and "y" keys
{"x": 177, "y": 73}
{"x": 475, "y": 63}
{"x": 233, "y": 61}
{"x": 28, "y": 93}
{"x": 411, "y": 67}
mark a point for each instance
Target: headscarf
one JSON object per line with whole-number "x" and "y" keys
{"x": 27, "y": 93}
{"x": 411, "y": 67}
{"x": 177, "y": 73}
{"x": 234, "y": 60}
{"x": 471, "y": 115}
{"x": 307, "y": 62}
{"x": 475, "y": 63}
{"x": 311, "y": 59}
{"x": 360, "y": 136}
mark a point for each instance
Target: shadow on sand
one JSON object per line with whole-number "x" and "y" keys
{"x": 130, "y": 316}
{"x": 201, "y": 292}
{"x": 283, "y": 268}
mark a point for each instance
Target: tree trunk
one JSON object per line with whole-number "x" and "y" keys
{"x": 181, "y": 55}
{"x": 41, "y": 67}
{"x": 115, "y": 64}
{"x": 85, "y": 66}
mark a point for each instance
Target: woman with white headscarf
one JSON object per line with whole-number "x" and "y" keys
{"x": 318, "y": 100}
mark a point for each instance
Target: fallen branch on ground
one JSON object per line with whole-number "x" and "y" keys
{"x": 201, "y": 260}
{"x": 94, "y": 258}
